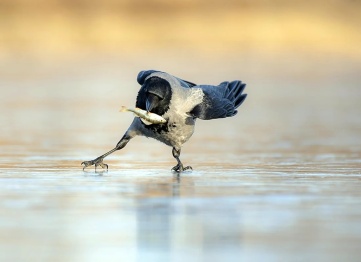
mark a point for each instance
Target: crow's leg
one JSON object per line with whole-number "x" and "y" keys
{"x": 179, "y": 167}
{"x": 99, "y": 160}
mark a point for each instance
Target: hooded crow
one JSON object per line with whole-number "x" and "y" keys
{"x": 180, "y": 103}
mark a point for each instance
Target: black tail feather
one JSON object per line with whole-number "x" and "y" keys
{"x": 239, "y": 90}
{"x": 240, "y": 100}
{"x": 234, "y": 93}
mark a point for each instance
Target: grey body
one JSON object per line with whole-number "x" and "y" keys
{"x": 178, "y": 131}
{"x": 180, "y": 103}
{"x": 180, "y": 124}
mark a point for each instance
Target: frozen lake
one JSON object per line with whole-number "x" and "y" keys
{"x": 281, "y": 181}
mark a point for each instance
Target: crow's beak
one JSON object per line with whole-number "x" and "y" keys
{"x": 151, "y": 102}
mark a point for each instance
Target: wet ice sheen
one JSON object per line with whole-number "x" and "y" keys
{"x": 139, "y": 214}
{"x": 274, "y": 183}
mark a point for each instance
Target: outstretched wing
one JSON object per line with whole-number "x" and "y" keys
{"x": 219, "y": 101}
{"x": 144, "y": 74}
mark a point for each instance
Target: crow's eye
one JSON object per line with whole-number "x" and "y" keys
{"x": 154, "y": 94}
{"x": 160, "y": 97}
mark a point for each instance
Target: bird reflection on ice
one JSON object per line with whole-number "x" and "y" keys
{"x": 169, "y": 228}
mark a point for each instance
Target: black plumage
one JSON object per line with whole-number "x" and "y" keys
{"x": 180, "y": 102}
{"x": 155, "y": 85}
{"x": 220, "y": 101}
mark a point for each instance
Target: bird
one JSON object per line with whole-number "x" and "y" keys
{"x": 180, "y": 103}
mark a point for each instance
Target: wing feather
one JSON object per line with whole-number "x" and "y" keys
{"x": 219, "y": 101}
{"x": 144, "y": 74}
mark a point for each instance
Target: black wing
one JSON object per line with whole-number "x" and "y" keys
{"x": 144, "y": 74}
{"x": 220, "y": 101}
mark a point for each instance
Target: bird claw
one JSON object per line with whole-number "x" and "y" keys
{"x": 179, "y": 168}
{"x": 96, "y": 162}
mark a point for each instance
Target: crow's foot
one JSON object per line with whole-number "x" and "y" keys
{"x": 97, "y": 162}
{"x": 179, "y": 168}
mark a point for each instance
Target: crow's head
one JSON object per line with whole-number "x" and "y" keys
{"x": 155, "y": 95}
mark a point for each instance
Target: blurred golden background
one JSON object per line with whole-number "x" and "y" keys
{"x": 301, "y": 61}
{"x": 58, "y": 27}
{"x": 279, "y": 181}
